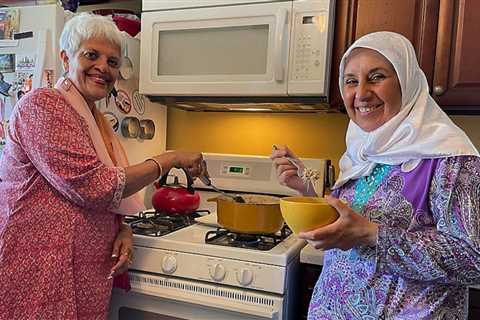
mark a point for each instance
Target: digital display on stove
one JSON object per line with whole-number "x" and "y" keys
{"x": 235, "y": 169}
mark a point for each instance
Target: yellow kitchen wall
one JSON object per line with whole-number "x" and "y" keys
{"x": 309, "y": 135}
{"x": 314, "y": 135}
{"x": 471, "y": 126}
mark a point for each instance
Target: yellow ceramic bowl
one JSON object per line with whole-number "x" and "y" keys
{"x": 307, "y": 213}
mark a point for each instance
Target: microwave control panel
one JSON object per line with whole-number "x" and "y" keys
{"x": 311, "y": 47}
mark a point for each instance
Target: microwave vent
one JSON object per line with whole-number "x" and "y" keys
{"x": 298, "y": 105}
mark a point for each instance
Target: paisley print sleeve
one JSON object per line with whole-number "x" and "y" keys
{"x": 449, "y": 250}
{"x": 56, "y": 140}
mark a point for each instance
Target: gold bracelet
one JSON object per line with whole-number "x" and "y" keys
{"x": 159, "y": 166}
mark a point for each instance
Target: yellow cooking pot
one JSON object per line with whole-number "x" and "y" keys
{"x": 258, "y": 215}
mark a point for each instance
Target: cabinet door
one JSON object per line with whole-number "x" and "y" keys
{"x": 456, "y": 82}
{"x": 415, "y": 19}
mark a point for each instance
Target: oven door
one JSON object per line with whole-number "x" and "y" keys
{"x": 156, "y": 297}
{"x": 227, "y": 51}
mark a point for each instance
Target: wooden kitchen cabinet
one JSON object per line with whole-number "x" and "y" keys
{"x": 443, "y": 33}
{"x": 456, "y": 77}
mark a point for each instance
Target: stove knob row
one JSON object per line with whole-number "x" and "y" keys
{"x": 217, "y": 272}
{"x": 245, "y": 276}
{"x": 169, "y": 264}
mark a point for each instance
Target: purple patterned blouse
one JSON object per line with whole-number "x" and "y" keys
{"x": 427, "y": 252}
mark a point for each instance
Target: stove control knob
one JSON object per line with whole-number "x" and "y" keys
{"x": 169, "y": 264}
{"x": 217, "y": 272}
{"x": 245, "y": 277}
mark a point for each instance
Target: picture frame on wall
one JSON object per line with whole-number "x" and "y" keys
{"x": 9, "y": 23}
{"x": 7, "y": 63}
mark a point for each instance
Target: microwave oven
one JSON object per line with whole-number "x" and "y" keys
{"x": 236, "y": 48}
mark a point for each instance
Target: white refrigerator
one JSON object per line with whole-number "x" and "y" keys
{"x": 29, "y": 44}
{"x": 29, "y": 58}
{"x": 29, "y": 53}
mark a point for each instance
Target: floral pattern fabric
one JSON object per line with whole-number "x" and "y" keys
{"x": 427, "y": 252}
{"x": 56, "y": 230}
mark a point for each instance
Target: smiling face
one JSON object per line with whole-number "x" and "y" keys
{"x": 94, "y": 68}
{"x": 371, "y": 90}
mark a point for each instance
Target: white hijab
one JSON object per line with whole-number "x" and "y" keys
{"x": 421, "y": 130}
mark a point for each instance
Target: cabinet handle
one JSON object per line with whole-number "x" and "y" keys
{"x": 438, "y": 90}
{"x": 444, "y": 45}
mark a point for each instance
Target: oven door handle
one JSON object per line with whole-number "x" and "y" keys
{"x": 273, "y": 315}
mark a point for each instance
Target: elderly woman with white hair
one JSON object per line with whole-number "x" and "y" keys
{"x": 65, "y": 183}
{"x": 407, "y": 241}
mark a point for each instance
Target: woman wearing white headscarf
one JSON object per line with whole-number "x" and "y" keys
{"x": 407, "y": 241}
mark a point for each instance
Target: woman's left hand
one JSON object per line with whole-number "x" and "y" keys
{"x": 348, "y": 231}
{"x": 122, "y": 251}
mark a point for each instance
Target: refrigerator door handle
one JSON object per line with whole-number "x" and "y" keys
{"x": 41, "y": 39}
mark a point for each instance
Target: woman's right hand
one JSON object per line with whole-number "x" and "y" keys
{"x": 287, "y": 173}
{"x": 192, "y": 162}
{"x": 142, "y": 174}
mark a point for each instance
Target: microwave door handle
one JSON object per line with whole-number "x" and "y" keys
{"x": 279, "y": 68}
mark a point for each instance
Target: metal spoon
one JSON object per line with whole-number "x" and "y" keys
{"x": 294, "y": 162}
{"x": 206, "y": 181}
{"x": 126, "y": 69}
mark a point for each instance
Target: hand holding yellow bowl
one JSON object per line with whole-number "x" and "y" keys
{"x": 307, "y": 213}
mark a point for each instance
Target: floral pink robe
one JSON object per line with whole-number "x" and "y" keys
{"x": 56, "y": 230}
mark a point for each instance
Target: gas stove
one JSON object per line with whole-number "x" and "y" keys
{"x": 190, "y": 242}
{"x": 190, "y": 264}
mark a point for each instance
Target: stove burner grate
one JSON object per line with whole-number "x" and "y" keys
{"x": 262, "y": 242}
{"x": 155, "y": 224}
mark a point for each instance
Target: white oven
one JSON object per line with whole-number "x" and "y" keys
{"x": 236, "y": 47}
{"x": 179, "y": 276}
{"x": 183, "y": 274}
{"x": 157, "y": 297}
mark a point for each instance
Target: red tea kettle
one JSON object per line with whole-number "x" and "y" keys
{"x": 175, "y": 198}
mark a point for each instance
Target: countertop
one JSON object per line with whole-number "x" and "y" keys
{"x": 311, "y": 255}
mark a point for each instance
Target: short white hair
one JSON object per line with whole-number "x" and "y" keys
{"x": 85, "y": 26}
